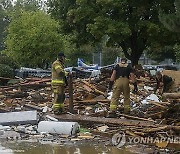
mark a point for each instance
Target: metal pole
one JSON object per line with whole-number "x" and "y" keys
{"x": 70, "y": 93}
{"x": 100, "y": 58}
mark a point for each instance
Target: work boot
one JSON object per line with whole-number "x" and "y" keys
{"x": 58, "y": 111}
{"x": 112, "y": 114}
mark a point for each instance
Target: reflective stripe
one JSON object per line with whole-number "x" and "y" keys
{"x": 113, "y": 107}
{"x": 57, "y": 105}
{"x": 55, "y": 91}
{"x": 56, "y": 67}
{"x": 57, "y": 81}
{"x": 66, "y": 73}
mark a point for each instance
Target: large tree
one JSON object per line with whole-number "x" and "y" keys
{"x": 5, "y": 6}
{"x": 132, "y": 25}
{"x": 33, "y": 39}
{"x": 11, "y": 7}
{"x": 172, "y": 22}
{"x": 28, "y": 5}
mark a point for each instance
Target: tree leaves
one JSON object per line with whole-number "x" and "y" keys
{"x": 171, "y": 21}
{"x": 33, "y": 39}
{"x": 132, "y": 25}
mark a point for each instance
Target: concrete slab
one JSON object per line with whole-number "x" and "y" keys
{"x": 13, "y": 118}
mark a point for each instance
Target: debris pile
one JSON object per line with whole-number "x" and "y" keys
{"x": 151, "y": 114}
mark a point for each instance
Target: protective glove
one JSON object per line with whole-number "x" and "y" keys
{"x": 110, "y": 85}
{"x": 135, "y": 90}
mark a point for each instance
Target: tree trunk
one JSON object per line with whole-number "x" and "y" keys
{"x": 135, "y": 57}
{"x": 136, "y": 49}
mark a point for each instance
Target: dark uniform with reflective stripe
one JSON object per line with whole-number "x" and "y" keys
{"x": 58, "y": 85}
{"x": 121, "y": 85}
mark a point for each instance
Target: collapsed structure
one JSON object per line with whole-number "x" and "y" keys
{"x": 151, "y": 115}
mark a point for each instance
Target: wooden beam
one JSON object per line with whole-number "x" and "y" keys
{"x": 157, "y": 104}
{"x": 172, "y": 95}
{"x": 93, "y": 101}
{"x": 83, "y": 118}
{"x": 136, "y": 118}
{"x": 33, "y": 107}
{"x": 93, "y": 87}
{"x": 70, "y": 93}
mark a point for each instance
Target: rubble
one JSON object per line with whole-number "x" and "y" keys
{"x": 88, "y": 102}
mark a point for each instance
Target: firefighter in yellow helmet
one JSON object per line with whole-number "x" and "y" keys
{"x": 120, "y": 78}
{"x": 58, "y": 83}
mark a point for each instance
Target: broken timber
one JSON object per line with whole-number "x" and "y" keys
{"x": 93, "y": 101}
{"x": 71, "y": 93}
{"x": 83, "y": 118}
{"x": 33, "y": 107}
{"x": 93, "y": 87}
{"x": 172, "y": 95}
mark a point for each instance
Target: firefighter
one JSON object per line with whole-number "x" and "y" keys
{"x": 120, "y": 78}
{"x": 58, "y": 83}
{"x": 164, "y": 83}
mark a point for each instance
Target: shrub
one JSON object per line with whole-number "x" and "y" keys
{"x": 6, "y": 71}
{"x": 4, "y": 59}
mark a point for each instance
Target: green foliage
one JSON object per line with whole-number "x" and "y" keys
{"x": 171, "y": 21}
{"x": 6, "y": 71}
{"x": 159, "y": 54}
{"x": 6, "y": 60}
{"x": 110, "y": 55}
{"x": 177, "y": 51}
{"x": 33, "y": 39}
{"x": 73, "y": 53}
{"x": 27, "y": 5}
{"x": 2, "y": 26}
{"x": 132, "y": 25}
{"x": 5, "y": 6}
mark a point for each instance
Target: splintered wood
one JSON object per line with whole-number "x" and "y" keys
{"x": 91, "y": 102}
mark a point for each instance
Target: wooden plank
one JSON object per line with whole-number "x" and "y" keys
{"x": 137, "y": 118}
{"x": 83, "y": 118}
{"x": 36, "y": 82}
{"x": 150, "y": 130}
{"x": 30, "y": 106}
{"x": 87, "y": 88}
{"x": 93, "y": 87}
{"x": 172, "y": 95}
{"x": 155, "y": 114}
{"x": 157, "y": 104}
{"x": 93, "y": 101}
{"x": 161, "y": 128}
{"x": 70, "y": 93}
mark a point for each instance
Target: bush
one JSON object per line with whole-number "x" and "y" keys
{"x": 6, "y": 71}
{"x": 4, "y": 59}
